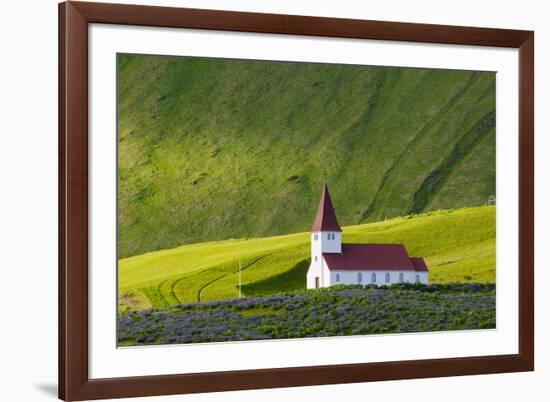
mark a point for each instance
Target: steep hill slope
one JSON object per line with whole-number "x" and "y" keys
{"x": 217, "y": 149}
{"x": 458, "y": 246}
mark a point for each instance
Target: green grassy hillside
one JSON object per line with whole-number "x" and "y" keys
{"x": 458, "y": 246}
{"x": 217, "y": 149}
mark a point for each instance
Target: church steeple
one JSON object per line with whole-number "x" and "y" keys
{"x": 325, "y": 221}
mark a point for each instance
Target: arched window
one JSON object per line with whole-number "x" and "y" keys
{"x": 333, "y": 236}
{"x": 315, "y": 258}
{"x": 337, "y": 277}
{"x": 417, "y": 278}
{"x": 401, "y": 277}
{"x": 359, "y": 277}
{"x": 328, "y": 236}
{"x": 387, "y": 277}
{"x": 373, "y": 277}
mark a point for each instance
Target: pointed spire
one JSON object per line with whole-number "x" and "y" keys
{"x": 326, "y": 218}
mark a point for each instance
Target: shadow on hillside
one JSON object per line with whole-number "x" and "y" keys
{"x": 291, "y": 280}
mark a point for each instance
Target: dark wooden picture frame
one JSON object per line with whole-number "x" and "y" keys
{"x": 74, "y": 381}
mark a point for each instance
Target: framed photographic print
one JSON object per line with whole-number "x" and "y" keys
{"x": 259, "y": 200}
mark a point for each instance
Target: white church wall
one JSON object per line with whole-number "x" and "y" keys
{"x": 423, "y": 277}
{"x": 333, "y": 245}
{"x": 327, "y": 279}
{"x": 313, "y": 271}
{"x": 318, "y": 269}
{"x": 322, "y": 244}
{"x": 350, "y": 277}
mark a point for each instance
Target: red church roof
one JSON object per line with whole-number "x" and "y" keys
{"x": 419, "y": 264}
{"x": 326, "y": 218}
{"x": 386, "y": 257}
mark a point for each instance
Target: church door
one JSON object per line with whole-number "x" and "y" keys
{"x": 316, "y": 282}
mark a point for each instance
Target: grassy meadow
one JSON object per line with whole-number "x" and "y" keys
{"x": 457, "y": 245}
{"x": 213, "y": 149}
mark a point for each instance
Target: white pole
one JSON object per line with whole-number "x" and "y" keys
{"x": 240, "y": 282}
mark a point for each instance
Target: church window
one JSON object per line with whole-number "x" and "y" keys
{"x": 373, "y": 277}
{"x": 337, "y": 277}
{"x": 417, "y": 278}
{"x": 387, "y": 277}
{"x": 359, "y": 277}
{"x": 401, "y": 277}
{"x": 315, "y": 236}
{"x": 315, "y": 258}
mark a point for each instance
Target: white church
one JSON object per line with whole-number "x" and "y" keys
{"x": 334, "y": 263}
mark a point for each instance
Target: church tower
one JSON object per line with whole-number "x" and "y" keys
{"x": 326, "y": 234}
{"x": 326, "y": 238}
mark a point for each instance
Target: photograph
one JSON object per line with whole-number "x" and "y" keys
{"x": 269, "y": 199}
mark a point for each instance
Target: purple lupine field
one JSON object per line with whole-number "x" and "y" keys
{"x": 336, "y": 311}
